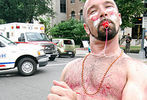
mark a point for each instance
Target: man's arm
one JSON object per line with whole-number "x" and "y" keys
{"x": 134, "y": 91}
{"x": 136, "y": 86}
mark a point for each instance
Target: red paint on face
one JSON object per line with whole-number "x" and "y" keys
{"x": 111, "y": 13}
{"x": 94, "y": 18}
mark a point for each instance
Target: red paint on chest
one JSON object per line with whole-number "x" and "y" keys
{"x": 106, "y": 89}
{"x": 71, "y": 84}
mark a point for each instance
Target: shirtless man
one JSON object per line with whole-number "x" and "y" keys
{"x": 106, "y": 73}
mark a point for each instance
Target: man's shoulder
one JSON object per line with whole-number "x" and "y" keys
{"x": 133, "y": 61}
{"x": 135, "y": 66}
{"x": 75, "y": 62}
{"x": 70, "y": 66}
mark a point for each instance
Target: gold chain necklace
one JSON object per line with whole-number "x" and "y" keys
{"x": 102, "y": 78}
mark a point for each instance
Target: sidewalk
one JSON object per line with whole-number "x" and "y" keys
{"x": 138, "y": 56}
{"x": 82, "y": 52}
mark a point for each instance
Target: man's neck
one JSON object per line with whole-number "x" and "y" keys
{"x": 99, "y": 47}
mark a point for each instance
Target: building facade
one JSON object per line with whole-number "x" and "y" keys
{"x": 60, "y": 11}
{"x": 75, "y": 9}
{"x": 67, "y": 9}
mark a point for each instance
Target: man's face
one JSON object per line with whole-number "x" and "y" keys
{"x": 96, "y": 12}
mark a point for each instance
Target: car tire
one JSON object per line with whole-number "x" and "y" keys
{"x": 73, "y": 55}
{"x": 27, "y": 66}
{"x": 58, "y": 54}
{"x": 52, "y": 58}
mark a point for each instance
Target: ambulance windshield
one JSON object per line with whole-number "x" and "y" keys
{"x": 34, "y": 36}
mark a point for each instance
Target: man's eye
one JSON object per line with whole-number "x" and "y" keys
{"x": 92, "y": 12}
{"x": 109, "y": 6}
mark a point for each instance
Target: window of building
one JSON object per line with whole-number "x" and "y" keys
{"x": 81, "y": 15}
{"x": 72, "y": 1}
{"x": 73, "y": 14}
{"x": 63, "y": 6}
{"x": 137, "y": 29}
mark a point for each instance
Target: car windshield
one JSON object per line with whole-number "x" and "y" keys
{"x": 34, "y": 36}
{"x": 6, "y": 41}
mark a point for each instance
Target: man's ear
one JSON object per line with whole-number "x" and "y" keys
{"x": 86, "y": 29}
{"x": 120, "y": 20}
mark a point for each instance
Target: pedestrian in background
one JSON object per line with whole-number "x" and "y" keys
{"x": 145, "y": 46}
{"x": 128, "y": 41}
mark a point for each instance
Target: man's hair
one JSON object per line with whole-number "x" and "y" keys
{"x": 84, "y": 10}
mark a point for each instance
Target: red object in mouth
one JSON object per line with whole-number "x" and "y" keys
{"x": 105, "y": 24}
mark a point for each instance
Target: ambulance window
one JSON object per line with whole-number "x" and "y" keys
{"x": 21, "y": 38}
{"x": 8, "y": 35}
{"x": 22, "y": 35}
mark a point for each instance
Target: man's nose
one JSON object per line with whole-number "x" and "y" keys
{"x": 103, "y": 14}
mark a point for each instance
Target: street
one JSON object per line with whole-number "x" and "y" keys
{"x": 36, "y": 87}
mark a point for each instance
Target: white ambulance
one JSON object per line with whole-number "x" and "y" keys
{"x": 29, "y": 33}
{"x": 26, "y": 57}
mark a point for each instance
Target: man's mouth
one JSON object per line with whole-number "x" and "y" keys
{"x": 105, "y": 24}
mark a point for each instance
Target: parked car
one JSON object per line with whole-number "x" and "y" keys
{"x": 65, "y": 47}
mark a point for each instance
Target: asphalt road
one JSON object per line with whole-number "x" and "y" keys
{"x": 36, "y": 87}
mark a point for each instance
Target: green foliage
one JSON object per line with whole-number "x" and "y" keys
{"x": 2, "y": 21}
{"x": 72, "y": 29}
{"x": 46, "y": 22}
{"x": 129, "y": 9}
{"x": 24, "y": 10}
{"x": 133, "y": 49}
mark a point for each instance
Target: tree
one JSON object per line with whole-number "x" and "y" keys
{"x": 24, "y": 10}
{"x": 130, "y": 10}
{"x": 72, "y": 29}
{"x": 2, "y": 21}
{"x": 46, "y": 22}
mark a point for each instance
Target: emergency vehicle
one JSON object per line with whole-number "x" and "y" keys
{"x": 27, "y": 60}
{"x": 29, "y": 33}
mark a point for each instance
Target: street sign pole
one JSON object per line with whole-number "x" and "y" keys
{"x": 142, "y": 52}
{"x": 144, "y": 26}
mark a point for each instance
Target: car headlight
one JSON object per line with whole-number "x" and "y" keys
{"x": 41, "y": 52}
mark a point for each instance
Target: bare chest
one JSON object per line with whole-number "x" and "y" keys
{"x": 96, "y": 80}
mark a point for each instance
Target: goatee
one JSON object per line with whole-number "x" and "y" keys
{"x": 111, "y": 29}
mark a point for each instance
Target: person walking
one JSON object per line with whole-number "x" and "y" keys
{"x": 128, "y": 41}
{"x": 145, "y": 46}
{"x": 106, "y": 73}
